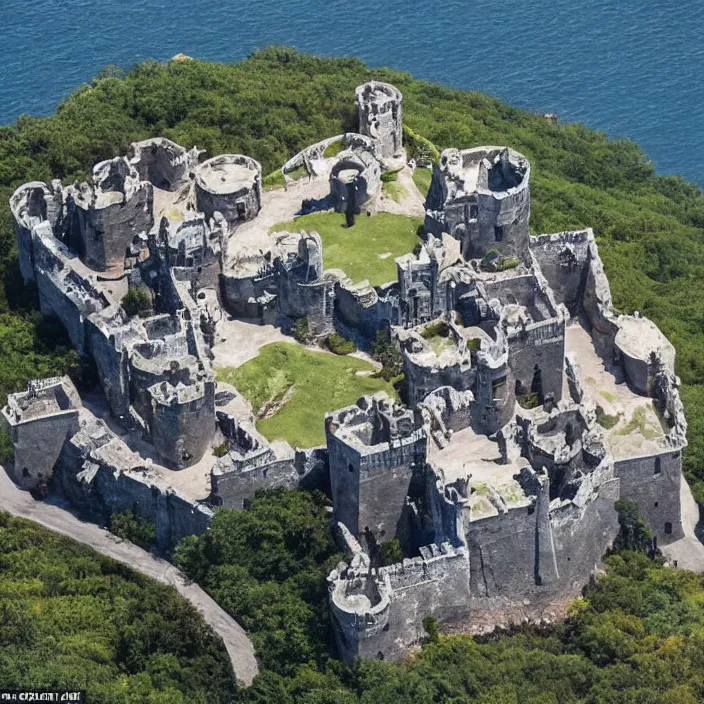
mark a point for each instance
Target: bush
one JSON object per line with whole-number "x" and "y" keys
{"x": 390, "y": 552}
{"x": 7, "y": 449}
{"x": 388, "y": 352}
{"x": 389, "y": 176}
{"x": 604, "y": 419}
{"x": 137, "y": 301}
{"x": 634, "y": 534}
{"x": 419, "y": 148}
{"x": 300, "y": 331}
{"x": 128, "y": 526}
{"x": 221, "y": 449}
{"x": 439, "y": 328}
{"x": 528, "y": 401}
{"x": 274, "y": 180}
{"x": 339, "y": 345}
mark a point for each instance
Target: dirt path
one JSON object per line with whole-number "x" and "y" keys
{"x": 688, "y": 551}
{"x": 22, "y": 505}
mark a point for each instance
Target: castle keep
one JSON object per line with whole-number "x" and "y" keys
{"x": 530, "y": 405}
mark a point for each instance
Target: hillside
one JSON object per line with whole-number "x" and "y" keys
{"x": 71, "y": 618}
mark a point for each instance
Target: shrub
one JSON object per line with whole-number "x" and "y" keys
{"x": 634, "y": 533}
{"x": 387, "y": 351}
{"x": 7, "y": 449}
{"x": 339, "y": 345}
{"x": 221, "y": 449}
{"x": 437, "y": 329}
{"x": 389, "y": 176}
{"x": 528, "y": 401}
{"x": 419, "y": 148}
{"x": 137, "y": 301}
{"x": 128, "y": 526}
{"x": 604, "y": 419}
{"x": 390, "y": 552}
{"x": 274, "y": 180}
{"x": 300, "y": 331}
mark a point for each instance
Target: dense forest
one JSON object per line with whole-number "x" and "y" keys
{"x": 73, "y": 619}
{"x": 637, "y": 636}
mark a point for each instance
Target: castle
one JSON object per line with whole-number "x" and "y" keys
{"x": 531, "y": 405}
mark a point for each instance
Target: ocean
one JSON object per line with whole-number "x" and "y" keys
{"x": 633, "y": 68}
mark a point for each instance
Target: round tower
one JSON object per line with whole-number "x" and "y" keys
{"x": 481, "y": 197}
{"x": 379, "y": 106}
{"x": 230, "y": 184}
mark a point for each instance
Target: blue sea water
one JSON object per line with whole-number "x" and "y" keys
{"x": 633, "y": 68}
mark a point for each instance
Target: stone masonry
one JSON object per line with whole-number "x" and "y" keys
{"x": 531, "y": 405}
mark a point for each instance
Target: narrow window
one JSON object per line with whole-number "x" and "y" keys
{"x": 499, "y": 233}
{"x": 668, "y": 528}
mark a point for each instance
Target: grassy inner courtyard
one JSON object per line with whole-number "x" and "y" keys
{"x": 365, "y": 251}
{"x": 292, "y": 388}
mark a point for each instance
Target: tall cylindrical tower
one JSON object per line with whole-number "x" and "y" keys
{"x": 379, "y": 107}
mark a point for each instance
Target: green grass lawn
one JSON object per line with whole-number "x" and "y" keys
{"x": 357, "y": 250}
{"x": 321, "y": 383}
{"x": 422, "y": 178}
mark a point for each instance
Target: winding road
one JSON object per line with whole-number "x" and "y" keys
{"x": 21, "y": 504}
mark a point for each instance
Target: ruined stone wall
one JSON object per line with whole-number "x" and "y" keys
{"x": 162, "y": 162}
{"x": 223, "y": 185}
{"x": 100, "y": 488}
{"x": 363, "y": 309}
{"x": 52, "y": 293}
{"x": 597, "y": 305}
{"x": 369, "y": 490}
{"x": 101, "y": 235}
{"x": 113, "y": 370}
{"x": 183, "y": 432}
{"x": 37, "y": 443}
{"x": 539, "y": 349}
{"x": 564, "y": 260}
{"x": 435, "y": 585}
{"x": 380, "y": 115}
{"x": 654, "y": 482}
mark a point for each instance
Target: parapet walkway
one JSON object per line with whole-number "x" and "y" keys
{"x": 21, "y": 504}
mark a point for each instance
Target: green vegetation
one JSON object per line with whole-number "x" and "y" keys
{"x": 388, "y": 353}
{"x": 419, "y": 148}
{"x": 393, "y": 190}
{"x": 365, "y": 251}
{"x": 495, "y": 261}
{"x": 390, "y": 552}
{"x": 389, "y": 176}
{"x": 300, "y": 331}
{"x": 221, "y": 449}
{"x": 128, "y": 526}
{"x": 339, "y": 345}
{"x": 605, "y": 420}
{"x": 267, "y": 566}
{"x": 290, "y": 388}
{"x": 437, "y": 329}
{"x": 73, "y": 619}
{"x": 274, "y": 180}
{"x": 532, "y": 400}
{"x": 634, "y": 533}
{"x": 335, "y": 148}
{"x": 137, "y": 301}
{"x": 422, "y": 178}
